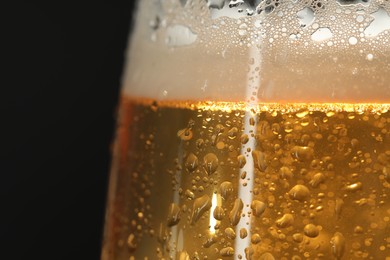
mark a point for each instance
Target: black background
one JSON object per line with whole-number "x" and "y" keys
{"x": 58, "y": 113}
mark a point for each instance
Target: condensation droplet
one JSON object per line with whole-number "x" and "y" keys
{"x": 173, "y": 215}
{"x": 255, "y": 239}
{"x": 235, "y": 213}
{"x": 232, "y": 133}
{"x": 210, "y": 163}
{"x": 299, "y": 192}
{"x": 338, "y": 245}
{"x": 259, "y": 160}
{"x": 311, "y": 230}
{"x": 201, "y": 205}
{"x": 226, "y": 189}
{"x": 218, "y": 213}
{"x": 244, "y": 138}
{"x": 184, "y": 256}
{"x": 258, "y": 207}
{"x": 302, "y": 153}
{"x": 317, "y": 179}
{"x": 354, "y": 186}
{"x": 227, "y": 251}
{"x": 229, "y": 232}
{"x": 285, "y": 221}
{"x": 191, "y": 162}
{"x": 267, "y": 256}
{"x": 210, "y": 241}
{"x": 241, "y": 160}
{"x": 189, "y": 194}
{"x": 243, "y": 233}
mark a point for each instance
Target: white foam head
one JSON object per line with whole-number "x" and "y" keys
{"x": 289, "y": 51}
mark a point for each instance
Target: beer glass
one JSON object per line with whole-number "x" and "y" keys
{"x": 253, "y": 130}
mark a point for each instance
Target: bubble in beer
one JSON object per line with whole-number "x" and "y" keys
{"x": 201, "y": 205}
{"x": 235, "y": 213}
{"x": 258, "y": 207}
{"x": 210, "y": 163}
{"x": 191, "y": 162}
{"x": 173, "y": 215}
{"x": 299, "y": 192}
{"x": 285, "y": 221}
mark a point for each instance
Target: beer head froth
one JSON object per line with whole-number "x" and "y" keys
{"x": 271, "y": 51}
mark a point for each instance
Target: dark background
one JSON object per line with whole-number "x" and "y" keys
{"x": 58, "y": 114}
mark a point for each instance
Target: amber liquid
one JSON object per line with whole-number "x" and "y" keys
{"x": 224, "y": 180}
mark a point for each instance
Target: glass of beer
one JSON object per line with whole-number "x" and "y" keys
{"x": 253, "y": 130}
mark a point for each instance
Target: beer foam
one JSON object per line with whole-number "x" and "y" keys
{"x": 267, "y": 51}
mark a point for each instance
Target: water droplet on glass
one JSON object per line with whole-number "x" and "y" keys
{"x": 255, "y": 239}
{"x": 218, "y": 213}
{"x": 311, "y": 230}
{"x": 131, "y": 243}
{"x": 259, "y": 160}
{"x": 235, "y": 213}
{"x": 241, "y": 160}
{"x": 210, "y": 163}
{"x": 258, "y": 207}
{"x": 201, "y": 205}
{"x": 317, "y": 179}
{"x": 191, "y": 162}
{"x": 302, "y": 153}
{"x": 354, "y": 186}
{"x": 232, "y": 133}
{"x": 285, "y": 221}
{"x": 227, "y": 251}
{"x": 229, "y": 232}
{"x": 173, "y": 215}
{"x": 243, "y": 233}
{"x": 267, "y": 256}
{"x": 338, "y": 245}
{"x": 299, "y": 192}
{"x": 226, "y": 189}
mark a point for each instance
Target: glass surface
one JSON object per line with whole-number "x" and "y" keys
{"x": 253, "y": 130}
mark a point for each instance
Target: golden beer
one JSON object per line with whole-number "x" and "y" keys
{"x": 318, "y": 178}
{"x": 253, "y": 130}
